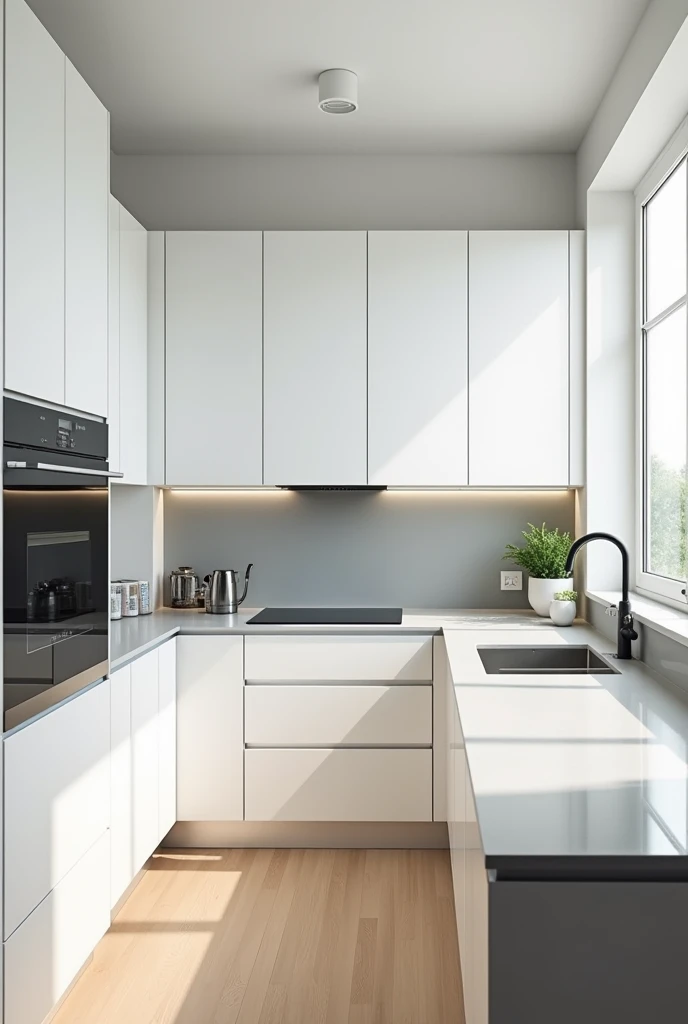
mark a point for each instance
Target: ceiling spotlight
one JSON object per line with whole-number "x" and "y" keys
{"x": 338, "y": 91}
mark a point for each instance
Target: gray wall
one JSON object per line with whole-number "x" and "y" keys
{"x": 415, "y": 549}
{"x": 339, "y": 192}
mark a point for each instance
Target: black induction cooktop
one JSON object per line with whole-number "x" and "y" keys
{"x": 327, "y": 617}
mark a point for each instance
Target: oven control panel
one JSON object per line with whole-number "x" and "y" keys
{"x": 34, "y": 426}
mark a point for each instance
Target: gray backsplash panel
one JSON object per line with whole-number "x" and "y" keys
{"x": 415, "y": 549}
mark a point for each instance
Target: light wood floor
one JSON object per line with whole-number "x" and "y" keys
{"x": 258, "y": 936}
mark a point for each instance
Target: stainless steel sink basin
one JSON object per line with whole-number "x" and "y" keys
{"x": 575, "y": 660}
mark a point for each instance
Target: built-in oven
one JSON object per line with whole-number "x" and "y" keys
{"x": 56, "y": 576}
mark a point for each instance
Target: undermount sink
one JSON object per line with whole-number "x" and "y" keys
{"x": 575, "y": 660}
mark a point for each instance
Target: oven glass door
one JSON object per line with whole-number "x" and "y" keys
{"x": 56, "y": 588}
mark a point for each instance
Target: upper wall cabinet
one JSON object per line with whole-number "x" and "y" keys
{"x": 417, "y": 358}
{"x": 56, "y": 193}
{"x": 128, "y": 412}
{"x": 214, "y": 356}
{"x": 315, "y": 357}
{"x": 87, "y": 161}
{"x": 34, "y": 207}
{"x": 519, "y": 358}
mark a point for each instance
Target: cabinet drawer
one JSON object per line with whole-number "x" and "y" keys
{"x": 346, "y": 658}
{"x": 310, "y": 716}
{"x": 338, "y": 785}
{"x": 46, "y": 952}
{"x": 57, "y": 797}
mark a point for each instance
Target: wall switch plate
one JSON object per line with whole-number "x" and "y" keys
{"x": 512, "y": 580}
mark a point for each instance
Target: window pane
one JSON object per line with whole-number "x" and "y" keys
{"x": 666, "y": 447}
{"x": 665, "y": 227}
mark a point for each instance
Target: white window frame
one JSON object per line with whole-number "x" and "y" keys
{"x": 671, "y": 592}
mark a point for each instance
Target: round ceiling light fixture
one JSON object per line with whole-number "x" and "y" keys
{"x": 338, "y": 91}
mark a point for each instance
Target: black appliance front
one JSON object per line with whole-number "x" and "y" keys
{"x": 327, "y": 617}
{"x": 56, "y": 577}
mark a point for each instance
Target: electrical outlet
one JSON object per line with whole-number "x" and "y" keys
{"x": 512, "y": 580}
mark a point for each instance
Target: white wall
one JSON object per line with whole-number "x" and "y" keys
{"x": 653, "y": 37}
{"x": 292, "y": 192}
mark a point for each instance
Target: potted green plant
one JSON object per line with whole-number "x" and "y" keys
{"x": 562, "y": 610}
{"x": 543, "y": 556}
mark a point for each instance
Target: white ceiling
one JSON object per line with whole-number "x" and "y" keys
{"x": 435, "y": 76}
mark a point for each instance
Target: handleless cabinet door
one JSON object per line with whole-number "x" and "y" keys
{"x": 113, "y": 339}
{"x": 133, "y": 348}
{"x": 121, "y": 800}
{"x": 87, "y": 162}
{"x": 518, "y": 358}
{"x": 167, "y": 736}
{"x": 34, "y": 207}
{"x": 145, "y": 757}
{"x": 214, "y": 357}
{"x": 315, "y": 357}
{"x": 417, "y": 358}
{"x": 210, "y": 728}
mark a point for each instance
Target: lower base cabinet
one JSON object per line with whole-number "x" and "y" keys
{"x": 338, "y": 785}
{"x": 42, "y": 957}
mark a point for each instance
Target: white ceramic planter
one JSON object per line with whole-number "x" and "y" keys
{"x": 562, "y": 613}
{"x": 541, "y": 593}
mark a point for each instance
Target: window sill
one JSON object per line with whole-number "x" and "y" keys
{"x": 672, "y": 622}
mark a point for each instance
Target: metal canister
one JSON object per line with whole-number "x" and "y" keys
{"x": 145, "y": 606}
{"x": 130, "y": 597}
{"x": 115, "y": 600}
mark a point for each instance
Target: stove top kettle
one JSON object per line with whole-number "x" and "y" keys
{"x": 221, "y": 596}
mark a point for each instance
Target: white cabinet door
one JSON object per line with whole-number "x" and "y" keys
{"x": 145, "y": 757}
{"x": 398, "y": 659}
{"x": 87, "y": 163}
{"x": 518, "y": 358}
{"x": 50, "y": 947}
{"x": 113, "y": 339}
{"x": 315, "y": 357}
{"x": 34, "y": 207}
{"x": 167, "y": 736}
{"x": 329, "y": 716}
{"x": 133, "y": 356}
{"x": 577, "y": 368}
{"x": 338, "y": 785}
{"x": 210, "y": 728}
{"x": 214, "y": 356}
{"x": 121, "y": 802}
{"x": 417, "y": 358}
{"x": 57, "y": 797}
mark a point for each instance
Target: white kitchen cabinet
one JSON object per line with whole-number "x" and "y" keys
{"x": 214, "y": 356}
{"x": 328, "y": 716}
{"x": 519, "y": 358}
{"x": 43, "y": 956}
{"x": 113, "y": 413}
{"x": 167, "y": 737}
{"x": 400, "y": 658}
{"x": 417, "y": 358}
{"x": 577, "y": 367}
{"x": 145, "y": 771}
{"x": 315, "y": 285}
{"x": 121, "y": 801}
{"x": 338, "y": 785}
{"x": 87, "y": 163}
{"x": 133, "y": 356}
{"x": 210, "y": 728}
{"x": 57, "y": 797}
{"x": 34, "y": 207}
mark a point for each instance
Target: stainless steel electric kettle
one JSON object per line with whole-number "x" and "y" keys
{"x": 221, "y": 596}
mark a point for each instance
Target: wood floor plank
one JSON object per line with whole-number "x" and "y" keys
{"x": 279, "y": 937}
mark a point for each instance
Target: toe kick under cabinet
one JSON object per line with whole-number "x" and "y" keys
{"x": 338, "y": 728}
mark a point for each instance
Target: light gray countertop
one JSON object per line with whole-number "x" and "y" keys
{"x": 572, "y": 767}
{"x": 132, "y": 637}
